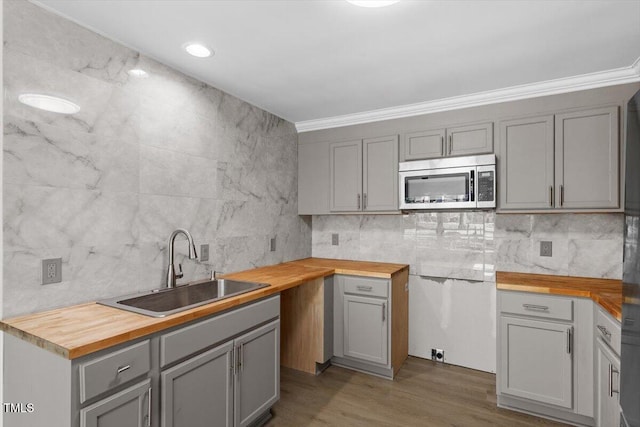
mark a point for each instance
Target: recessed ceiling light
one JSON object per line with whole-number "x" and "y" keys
{"x": 49, "y": 103}
{"x": 373, "y": 3}
{"x": 138, "y": 72}
{"x": 198, "y": 50}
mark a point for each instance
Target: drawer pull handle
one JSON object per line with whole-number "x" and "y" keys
{"x": 535, "y": 307}
{"x": 605, "y": 332}
{"x": 121, "y": 369}
{"x": 364, "y": 288}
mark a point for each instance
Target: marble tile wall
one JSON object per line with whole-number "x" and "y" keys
{"x": 103, "y": 189}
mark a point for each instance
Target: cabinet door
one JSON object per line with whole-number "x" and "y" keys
{"x": 526, "y": 163}
{"x": 587, "y": 157}
{"x": 422, "y": 145}
{"x": 380, "y": 183}
{"x": 536, "y": 361}
{"x": 366, "y": 328}
{"x": 608, "y": 386}
{"x": 313, "y": 179}
{"x": 128, "y": 408}
{"x": 470, "y": 139}
{"x": 199, "y": 391}
{"x": 345, "y": 160}
{"x": 257, "y": 385}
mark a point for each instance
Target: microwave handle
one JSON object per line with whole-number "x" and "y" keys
{"x": 472, "y": 186}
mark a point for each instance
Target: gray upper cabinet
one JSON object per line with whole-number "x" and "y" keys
{"x": 423, "y": 145}
{"x": 587, "y": 158}
{"x": 364, "y": 175}
{"x": 453, "y": 141}
{"x": 346, "y": 176}
{"x": 130, "y": 407}
{"x": 380, "y": 174}
{"x": 313, "y": 178}
{"x": 526, "y": 163}
{"x": 199, "y": 392}
{"x": 564, "y": 161}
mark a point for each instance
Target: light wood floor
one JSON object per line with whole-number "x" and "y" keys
{"x": 424, "y": 393}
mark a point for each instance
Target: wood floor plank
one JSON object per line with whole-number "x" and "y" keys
{"x": 424, "y": 393}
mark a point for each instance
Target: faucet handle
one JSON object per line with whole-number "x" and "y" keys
{"x": 180, "y": 274}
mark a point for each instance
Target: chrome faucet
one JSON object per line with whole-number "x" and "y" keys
{"x": 171, "y": 273}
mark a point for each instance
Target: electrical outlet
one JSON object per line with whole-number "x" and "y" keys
{"x": 272, "y": 244}
{"x": 334, "y": 239}
{"x": 51, "y": 271}
{"x": 546, "y": 249}
{"x": 437, "y": 355}
{"x": 204, "y": 252}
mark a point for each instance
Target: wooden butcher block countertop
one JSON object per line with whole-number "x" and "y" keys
{"x": 606, "y": 292}
{"x": 82, "y": 329}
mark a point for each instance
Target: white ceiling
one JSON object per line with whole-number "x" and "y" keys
{"x": 324, "y": 63}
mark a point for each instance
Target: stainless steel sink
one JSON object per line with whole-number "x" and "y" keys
{"x": 166, "y": 301}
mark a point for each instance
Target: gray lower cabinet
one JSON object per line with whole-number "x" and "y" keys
{"x": 566, "y": 161}
{"x": 545, "y": 360}
{"x": 608, "y": 386}
{"x": 364, "y": 175}
{"x": 230, "y": 385}
{"x": 366, "y": 331}
{"x": 462, "y": 140}
{"x": 129, "y": 408}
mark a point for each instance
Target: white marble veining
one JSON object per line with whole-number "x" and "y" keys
{"x": 104, "y": 189}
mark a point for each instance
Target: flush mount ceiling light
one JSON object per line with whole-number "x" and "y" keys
{"x": 49, "y": 103}
{"x": 138, "y": 72}
{"x": 373, "y": 3}
{"x": 198, "y": 50}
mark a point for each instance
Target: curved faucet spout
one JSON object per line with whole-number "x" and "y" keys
{"x": 171, "y": 273}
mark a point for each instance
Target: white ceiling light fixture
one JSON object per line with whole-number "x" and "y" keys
{"x": 138, "y": 72}
{"x": 373, "y": 3}
{"x": 49, "y": 103}
{"x": 198, "y": 50}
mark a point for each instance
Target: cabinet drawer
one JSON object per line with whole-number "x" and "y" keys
{"x": 608, "y": 329}
{"x": 366, "y": 286}
{"x": 109, "y": 371}
{"x": 185, "y": 341}
{"x": 529, "y": 304}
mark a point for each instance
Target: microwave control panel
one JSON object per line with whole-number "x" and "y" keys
{"x": 486, "y": 186}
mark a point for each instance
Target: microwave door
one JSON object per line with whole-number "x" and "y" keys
{"x": 450, "y": 188}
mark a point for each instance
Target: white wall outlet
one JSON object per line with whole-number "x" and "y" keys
{"x": 204, "y": 252}
{"x": 272, "y": 244}
{"x": 546, "y": 248}
{"x": 437, "y": 355}
{"x": 51, "y": 271}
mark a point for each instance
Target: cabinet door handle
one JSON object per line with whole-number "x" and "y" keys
{"x": 364, "y": 288}
{"x": 241, "y": 357}
{"x": 364, "y": 201}
{"x": 358, "y": 201}
{"x": 384, "y": 311}
{"x": 121, "y": 369}
{"x": 551, "y": 195}
{"x": 612, "y": 371}
{"x": 450, "y": 144}
{"x": 605, "y": 332}
{"x": 149, "y": 408}
{"x": 561, "y": 195}
{"x": 569, "y": 340}
{"x": 444, "y": 152}
{"x": 535, "y": 307}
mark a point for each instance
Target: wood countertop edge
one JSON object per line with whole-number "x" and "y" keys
{"x": 607, "y": 295}
{"x": 151, "y": 325}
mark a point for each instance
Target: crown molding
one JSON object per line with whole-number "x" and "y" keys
{"x": 616, "y": 76}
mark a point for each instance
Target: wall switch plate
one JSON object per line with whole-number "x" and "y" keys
{"x": 272, "y": 244}
{"x": 334, "y": 239}
{"x": 51, "y": 271}
{"x": 546, "y": 249}
{"x": 204, "y": 252}
{"x": 437, "y": 355}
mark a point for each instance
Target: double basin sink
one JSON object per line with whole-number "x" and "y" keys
{"x": 167, "y": 301}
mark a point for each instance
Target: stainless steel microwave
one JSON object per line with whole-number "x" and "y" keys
{"x": 449, "y": 183}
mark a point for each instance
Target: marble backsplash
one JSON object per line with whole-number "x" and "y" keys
{"x": 103, "y": 189}
{"x": 473, "y": 245}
